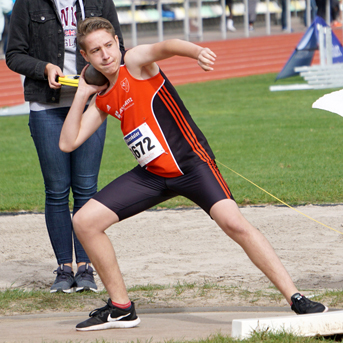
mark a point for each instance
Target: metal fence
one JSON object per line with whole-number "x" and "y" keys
{"x": 193, "y": 11}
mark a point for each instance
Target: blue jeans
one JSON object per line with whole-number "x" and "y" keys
{"x": 61, "y": 171}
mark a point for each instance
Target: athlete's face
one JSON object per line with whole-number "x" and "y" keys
{"x": 102, "y": 51}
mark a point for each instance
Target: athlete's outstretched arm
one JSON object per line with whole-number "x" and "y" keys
{"x": 80, "y": 125}
{"x": 146, "y": 54}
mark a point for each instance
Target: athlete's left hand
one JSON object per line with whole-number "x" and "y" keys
{"x": 206, "y": 59}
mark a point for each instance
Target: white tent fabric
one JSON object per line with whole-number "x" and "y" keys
{"x": 332, "y": 102}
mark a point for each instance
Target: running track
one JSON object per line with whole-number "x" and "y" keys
{"x": 235, "y": 58}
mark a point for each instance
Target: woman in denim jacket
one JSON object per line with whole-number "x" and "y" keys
{"x": 42, "y": 46}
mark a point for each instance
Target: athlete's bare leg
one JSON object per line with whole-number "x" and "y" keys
{"x": 228, "y": 216}
{"x": 90, "y": 223}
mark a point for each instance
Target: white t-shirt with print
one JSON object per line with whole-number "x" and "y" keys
{"x": 67, "y": 12}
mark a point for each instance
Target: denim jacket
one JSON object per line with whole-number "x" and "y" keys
{"x": 36, "y": 38}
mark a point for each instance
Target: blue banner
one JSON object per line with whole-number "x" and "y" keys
{"x": 303, "y": 53}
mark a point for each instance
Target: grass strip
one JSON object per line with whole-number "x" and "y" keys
{"x": 207, "y": 294}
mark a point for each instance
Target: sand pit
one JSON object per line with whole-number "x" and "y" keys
{"x": 185, "y": 245}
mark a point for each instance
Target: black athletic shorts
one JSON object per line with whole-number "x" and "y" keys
{"x": 139, "y": 189}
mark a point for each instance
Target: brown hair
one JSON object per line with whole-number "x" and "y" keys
{"x": 89, "y": 25}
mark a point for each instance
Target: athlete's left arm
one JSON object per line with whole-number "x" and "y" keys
{"x": 144, "y": 56}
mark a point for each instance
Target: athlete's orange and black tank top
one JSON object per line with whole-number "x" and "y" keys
{"x": 156, "y": 125}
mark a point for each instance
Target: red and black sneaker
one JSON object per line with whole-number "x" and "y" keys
{"x": 110, "y": 317}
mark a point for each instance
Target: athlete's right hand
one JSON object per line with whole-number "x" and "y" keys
{"x": 88, "y": 88}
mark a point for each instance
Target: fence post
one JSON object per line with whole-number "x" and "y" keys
{"x": 223, "y": 19}
{"x": 328, "y": 12}
{"x": 186, "y": 20}
{"x": 267, "y": 18}
{"x": 308, "y": 13}
{"x": 160, "y": 21}
{"x": 288, "y": 13}
{"x": 199, "y": 21}
{"x": 246, "y": 18}
{"x": 133, "y": 23}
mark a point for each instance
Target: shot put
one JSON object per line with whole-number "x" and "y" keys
{"x": 94, "y": 77}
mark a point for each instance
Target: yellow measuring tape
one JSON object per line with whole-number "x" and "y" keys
{"x": 69, "y": 80}
{"x": 273, "y": 196}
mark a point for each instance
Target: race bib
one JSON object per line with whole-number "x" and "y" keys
{"x": 143, "y": 144}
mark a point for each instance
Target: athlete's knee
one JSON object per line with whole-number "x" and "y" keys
{"x": 81, "y": 223}
{"x": 230, "y": 219}
{"x": 228, "y": 216}
{"x": 236, "y": 227}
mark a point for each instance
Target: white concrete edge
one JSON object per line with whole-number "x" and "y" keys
{"x": 322, "y": 324}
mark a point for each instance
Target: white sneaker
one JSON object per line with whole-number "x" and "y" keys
{"x": 230, "y": 26}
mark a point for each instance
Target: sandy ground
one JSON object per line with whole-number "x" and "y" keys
{"x": 185, "y": 245}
